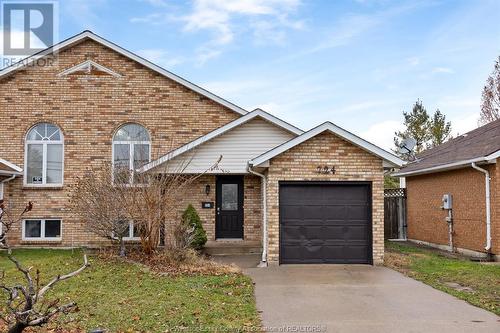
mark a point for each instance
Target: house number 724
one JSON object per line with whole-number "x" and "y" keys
{"x": 325, "y": 170}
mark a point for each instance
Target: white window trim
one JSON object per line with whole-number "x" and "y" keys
{"x": 42, "y": 232}
{"x": 44, "y": 159}
{"x": 131, "y": 233}
{"x": 131, "y": 157}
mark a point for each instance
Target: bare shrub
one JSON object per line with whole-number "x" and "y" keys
{"x": 102, "y": 205}
{"x": 183, "y": 236}
{"x": 490, "y": 101}
{"x": 25, "y": 304}
{"x": 152, "y": 204}
{"x": 104, "y": 198}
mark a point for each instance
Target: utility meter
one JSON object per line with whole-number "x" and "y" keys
{"x": 447, "y": 201}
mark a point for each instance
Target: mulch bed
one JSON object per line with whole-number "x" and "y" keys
{"x": 188, "y": 263}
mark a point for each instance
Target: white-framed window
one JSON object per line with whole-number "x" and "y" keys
{"x": 131, "y": 150}
{"x": 44, "y": 156}
{"x": 131, "y": 234}
{"x": 42, "y": 229}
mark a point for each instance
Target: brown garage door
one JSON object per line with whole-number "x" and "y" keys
{"x": 325, "y": 222}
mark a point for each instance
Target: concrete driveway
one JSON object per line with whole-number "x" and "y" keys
{"x": 358, "y": 298}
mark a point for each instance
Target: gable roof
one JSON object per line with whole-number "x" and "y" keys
{"x": 9, "y": 168}
{"x": 479, "y": 145}
{"x": 146, "y": 63}
{"x": 328, "y": 126}
{"x": 221, "y": 130}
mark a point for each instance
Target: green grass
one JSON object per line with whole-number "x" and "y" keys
{"x": 120, "y": 296}
{"x": 436, "y": 270}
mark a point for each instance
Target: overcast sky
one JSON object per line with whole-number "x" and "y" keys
{"x": 357, "y": 63}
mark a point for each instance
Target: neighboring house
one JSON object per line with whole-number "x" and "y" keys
{"x": 467, "y": 168}
{"x": 306, "y": 197}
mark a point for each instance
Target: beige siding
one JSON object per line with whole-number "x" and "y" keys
{"x": 236, "y": 147}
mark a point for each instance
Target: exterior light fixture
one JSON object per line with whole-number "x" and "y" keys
{"x": 207, "y": 189}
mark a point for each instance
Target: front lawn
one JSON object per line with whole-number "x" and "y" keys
{"x": 476, "y": 283}
{"x": 120, "y": 296}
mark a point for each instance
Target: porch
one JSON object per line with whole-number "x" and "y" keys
{"x": 230, "y": 208}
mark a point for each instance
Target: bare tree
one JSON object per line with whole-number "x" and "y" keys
{"x": 105, "y": 198}
{"x": 490, "y": 106}
{"x": 157, "y": 197}
{"x": 101, "y": 204}
{"x": 26, "y": 305}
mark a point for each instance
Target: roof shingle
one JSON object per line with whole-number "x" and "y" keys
{"x": 482, "y": 141}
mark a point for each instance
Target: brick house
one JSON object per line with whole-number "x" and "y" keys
{"x": 303, "y": 197}
{"x": 465, "y": 167}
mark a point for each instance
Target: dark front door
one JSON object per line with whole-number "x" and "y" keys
{"x": 229, "y": 207}
{"x": 325, "y": 222}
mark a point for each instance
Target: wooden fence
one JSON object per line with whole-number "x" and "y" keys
{"x": 395, "y": 213}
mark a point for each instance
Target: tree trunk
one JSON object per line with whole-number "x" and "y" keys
{"x": 122, "y": 248}
{"x": 17, "y": 328}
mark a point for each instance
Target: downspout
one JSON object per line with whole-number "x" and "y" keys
{"x": 488, "y": 210}
{"x": 5, "y": 181}
{"x": 8, "y": 179}
{"x": 264, "y": 215}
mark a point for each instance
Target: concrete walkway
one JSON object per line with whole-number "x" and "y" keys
{"x": 358, "y": 298}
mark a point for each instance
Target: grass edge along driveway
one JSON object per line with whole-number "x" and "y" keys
{"x": 123, "y": 297}
{"x": 474, "y": 282}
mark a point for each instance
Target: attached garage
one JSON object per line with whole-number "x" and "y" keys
{"x": 324, "y": 198}
{"x": 325, "y": 222}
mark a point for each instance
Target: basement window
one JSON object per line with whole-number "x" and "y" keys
{"x": 42, "y": 229}
{"x": 131, "y": 232}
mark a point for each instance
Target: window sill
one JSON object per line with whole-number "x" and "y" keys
{"x": 40, "y": 241}
{"x": 43, "y": 187}
{"x": 132, "y": 240}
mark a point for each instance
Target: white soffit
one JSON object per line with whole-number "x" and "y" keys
{"x": 11, "y": 165}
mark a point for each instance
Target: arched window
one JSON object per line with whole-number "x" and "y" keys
{"x": 44, "y": 155}
{"x": 131, "y": 150}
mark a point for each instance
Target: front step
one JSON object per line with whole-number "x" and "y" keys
{"x": 225, "y": 248}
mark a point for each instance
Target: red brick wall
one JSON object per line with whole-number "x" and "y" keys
{"x": 89, "y": 109}
{"x": 426, "y": 221}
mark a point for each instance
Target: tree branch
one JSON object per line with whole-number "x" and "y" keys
{"x": 59, "y": 278}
